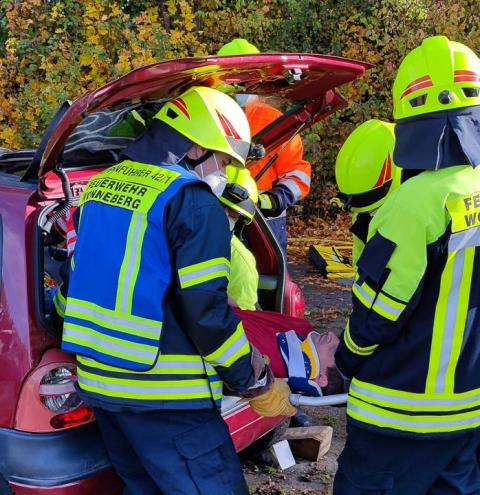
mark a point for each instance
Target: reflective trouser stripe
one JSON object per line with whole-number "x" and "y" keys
{"x": 235, "y": 347}
{"x": 59, "y": 302}
{"x": 131, "y": 262}
{"x": 203, "y": 272}
{"x": 370, "y": 414}
{"x": 174, "y": 364}
{"x": 109, "y": 346}
{"x": 129, "y": 324}
{"x": 410, "y": 401}
{"x": 149, "y": 389}
{"x": 449, "y": 323}
{"x": 355, "y": 348}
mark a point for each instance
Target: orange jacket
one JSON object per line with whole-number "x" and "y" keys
{"x": 289, "y": 170}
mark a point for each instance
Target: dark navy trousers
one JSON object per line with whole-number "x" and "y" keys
{"x": 172, "y": 452}
{"x": 376, "y": 464}
{"x": 278, "y": 225}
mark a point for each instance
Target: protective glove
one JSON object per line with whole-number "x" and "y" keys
{"x": 275, "y": 401}
{"x": 262, "y": 375}
{"x": 270, "y": 204}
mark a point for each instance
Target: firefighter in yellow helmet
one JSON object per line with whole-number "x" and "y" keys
{"x": 366, "y": 175}
{"x": 412, "y": 344}
{"x": 288, "y": 178}
{"x": 240, "y": 197}
{"x": 154, "y": 337}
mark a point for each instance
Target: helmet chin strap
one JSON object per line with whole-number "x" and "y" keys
{"x": 231, "y": 222}
{"x": 194, "y": 162}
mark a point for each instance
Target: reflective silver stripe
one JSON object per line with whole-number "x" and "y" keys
{"x": 385, "y": 306}
{"x": 135, "y": 245}
{"x": 220, "y": 267}
{"x": 240, "y": 147}
{"x": 300, "y": 175}
{"x": 467, "y": 238}
{"x": 416, "y": 423}
{"x": 364, "y": 293}
{"x": 159, "y": 365}
{"x": 231, "y": 350}
{"x": 153, "y": 328}
{"x": 411, "y": 401}
{"x": 450, "y": 319}
{"x": 141, "y": 388}
{"x": 292, "y": 186}
{"x": 97, "y": 342}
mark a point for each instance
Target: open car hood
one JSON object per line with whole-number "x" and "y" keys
{"x": 307, "y": 81}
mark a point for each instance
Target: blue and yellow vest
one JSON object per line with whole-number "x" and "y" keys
{"x": 120, "y": 275}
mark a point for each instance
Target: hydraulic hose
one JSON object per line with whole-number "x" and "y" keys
{"x": 64, "y": 206}
{"x": 327, "y": 400}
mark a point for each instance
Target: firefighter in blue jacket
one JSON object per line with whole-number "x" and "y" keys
{"x": 146, "y": 310}
{"x": 412, "y": 344}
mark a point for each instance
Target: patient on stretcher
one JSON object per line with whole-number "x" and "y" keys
{"x": 296, "y": 351}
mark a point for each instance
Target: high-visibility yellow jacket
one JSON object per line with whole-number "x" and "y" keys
{"x": 243, "y": 283}
{"x": 412, "y": 344}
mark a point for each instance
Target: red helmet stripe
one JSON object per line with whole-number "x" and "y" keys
{"x": 465, "y": 73}
{"x": 381, "y": 177}
{"x": 418, "y": 81}
{"x": 388, "y": 173}
{"x": 411, "y": 89}
{"x": 180, "y": 104}
{"x": 227, "y": 126}
{"x": 466, "y": 79}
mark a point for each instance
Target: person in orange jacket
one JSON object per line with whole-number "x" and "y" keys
{"x": 288, "y": 178}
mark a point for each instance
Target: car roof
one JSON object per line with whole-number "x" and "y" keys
{"x": 307, "y": 81}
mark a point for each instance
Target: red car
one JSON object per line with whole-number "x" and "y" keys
{"x": 49, "y": 442}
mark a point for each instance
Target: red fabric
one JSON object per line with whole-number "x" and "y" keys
{"x": 261, "y": 328}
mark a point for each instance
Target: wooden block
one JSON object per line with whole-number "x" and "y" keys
{"x": 310, "y": 442}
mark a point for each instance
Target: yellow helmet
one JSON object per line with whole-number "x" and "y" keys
{"x": 437, "y": 75}
{"x": 210, "y": 119}
{"x": 238, "y": 46}
{"x": 241, "y": 192}
{"x": 364, "y": 169}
